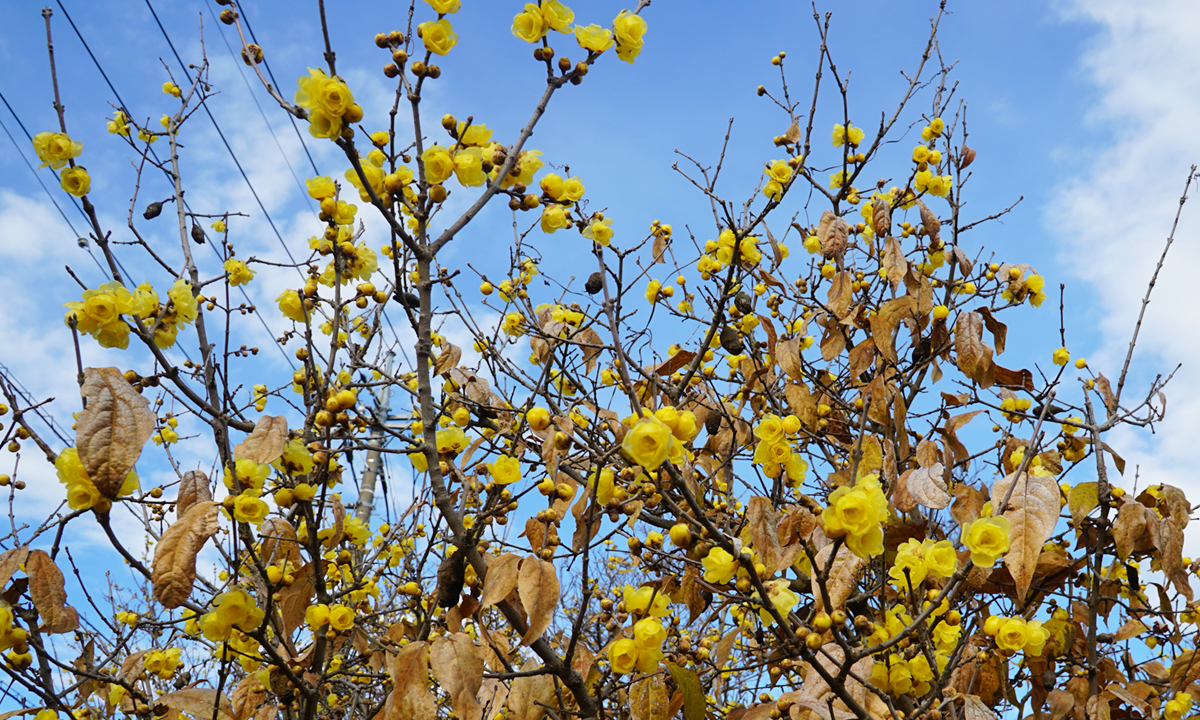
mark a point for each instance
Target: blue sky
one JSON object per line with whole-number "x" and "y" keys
{"x": 1086, "y": 109}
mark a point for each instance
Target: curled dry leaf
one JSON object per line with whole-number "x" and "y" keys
{"x": 48, "y": 591}
{"x": 842, "y": 577}
{"x": 112, "y": 429}
{"x": 265, "y": 444}
{"x": 974, "y": 356}
{"x": 881, "y": 216}
{"x": 538, "y": 585}
{"x": 933, "y": 226}
{"x": 894, "y": 262}
{"x": 928, "y": 486}
{"x": 411, "y": 698}
{"x": 199, "y": 703}
{"x": 529, "y": 693}
{"x": 975, "y": 709}
{"x": 280, "y": 543}
{"x": 501, "y": 579}
{"x": 175, "y": 555}
{"x": 833, "y": 232}
{"x": 193, "y": 488}
{"x": 966, "y": 157}
{"x": 1032, "y": 513}
{"x": 10, "y": 563}
{"x": 764, "y": 535}
{"x": 458, "y": 666}
{"x": 448, "y": 358}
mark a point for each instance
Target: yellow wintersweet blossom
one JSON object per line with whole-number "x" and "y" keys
{"x": 599, "y": 231}
{"x": 940, "y": 557}
{"x": 987, "y": 539}
{"x": 554, "y": 217}
{"x": 445, "y": 7}
{"x": 557, "y": 16}
{"x": 76, "y": 181}
{"x": 719, "y": 566}
{"x": 629, "y": 30}
{"x": 119, "y": 125}
{"x": 858, "y": 513}
{"x": 55, "y": 149}
{"x": 439, "y": 165}
{"x": 1062, "y": 356}
{"x": 848, "y": 134}
{"x": 529, "y": 25}
{"x": 170, "y": 88}
{"x": 623, "y": 655}
{"x": 506, "y": 470}
{"x": 781, "y": 596}
{"x": 239, "y": 273}
{"x": 468, "y": 167}
{"x": 910, "y": 568}
{"x": 593, "y": 38}
{"x": 249, "y": 508}
{"x": 648, "y": 443}
{"x": 439, "y": 37}
{"x": 647, "y": 600}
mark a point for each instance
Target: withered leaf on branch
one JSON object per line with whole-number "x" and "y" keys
{"x": 193, "y": 488}
{"x": 47, "y": 589}
{"x": 501, "y": 579}
{"x": 199, "y": 703}
{"x": 842, "y": 577}
{"x": 833, "y": 232}
{"x": 458, "y": 666}
{"x": 112, "y": 429}
{"x": 265, "y": 444}
{"x": 448, "y": 358}
{"x": 894, "y": 262}
{"x": 1032, "y": 513}
{"x": 411, "y": 698}
{"x": 764, "y": 534}
{"x": 928, "y": 486}
{"x": 175, "y": 555}
{"x": 450, "y": 577}
{"x": 538, "y": 585}
{"x": 529, "y": 693}
{"x": 974, "y": 357}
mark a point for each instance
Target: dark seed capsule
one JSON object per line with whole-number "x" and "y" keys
{"x": 408, "y": 300}
{"x": 197, "y": 233}
{"x": 730, "y": 340}
{"x": 595, "y": 283}
{"x": 450, "y": 580}
{"x": 743, "y": 303}
{"x": 153, "y": 210}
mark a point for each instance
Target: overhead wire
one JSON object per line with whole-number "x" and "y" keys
{"x": 129, "y": 113}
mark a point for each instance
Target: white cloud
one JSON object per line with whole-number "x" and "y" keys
{"x": 1114, "y": 218}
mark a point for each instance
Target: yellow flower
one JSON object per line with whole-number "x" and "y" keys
{"x": 237, "y": 608}
{"x": 183, "y": 301}
{"x": 529, "y": 162}
{"x": 719, "y": 566}
{"x": 554, "y": 217}
{"x": 250, "y": 475}
{"x": 556, "y": 15}
{"x": 770, "y": 429}
{"x": 781, "y": 596}
{"x": 76, "y": 181}
{"x": 622, "y": 654}
{"x": 858, "y": 513}
{"x": 529, "y": 25}
{"x": 1013, "y": 634}
{"x": 506, "y": 470}
{"x": 649, "y": 633}
{"x": 648, "y": 442}
{"x": 239, "y": 273}
{"x": 1062, "y": 356}
{"x": 599, "y": 231}
{"x": 291, "y": 304}
{"x": 170, "y": 88}
{"x": 573, "y": 189}
{"x": 374, "y": 176}
{"x": 1176, "y": 707}
{"x": 55, "y": 149}
{"x": 1038, "y": 635}
{"x": 119, "y": 125}
{"x": 629, "y": 30}
{"x": 899, "y": 676}
{"x": 652, "y": 290}
{"x": 468, "y": 167}
{"x": 593, "y": 38}
{"x": 451, "y": 440}
{"x": 987, "y": 539}
{"x": 341, "y": 617}
{"x": 316, "y": 616}
{"x": 849, "y": 133}
{"x": 940, "y": 557}
{"x": 438, "y": 164}
{"x": 639, "y": 600}
{"x": 248, "y": 508}
{"x": 445, "y": 7}
{"x": 439, "y": 37}
{"x": 909, "y": 569}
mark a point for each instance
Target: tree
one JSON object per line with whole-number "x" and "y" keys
{"x": 778, "y": 510}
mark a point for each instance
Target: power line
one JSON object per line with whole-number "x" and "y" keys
{"x": 262, "y": 114}
{"x": 270, "y": 74}
{"x": 129, "y": 113}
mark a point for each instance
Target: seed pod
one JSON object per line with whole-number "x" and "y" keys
{"x": 228, "y": 17}
{"x": 153, "y": 210}
{"x": 712, "y": 423}
{"x": 595, "y": 283}
{"x": 450, "y": 577}
{"x": 408, "y": 300}
{"x": 743, "y": 302}
{"x": 197, "y": 232}
{"x": 730, "y": 340}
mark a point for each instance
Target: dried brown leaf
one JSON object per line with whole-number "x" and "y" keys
{"x": 894, "y": 262}
{"x": 842, "y": 577}
{"x": 411, "y": 698}
{"x": 48, "y": 591}
{"x": 974, "y": 356}
{"x": 112, "y": 429}
{"x": 538, "y": 585}
{"x": 447, "y": 358}
{"x": 928, "y": 486}
{"x": 10, "y": 562}
{"x": 501, "y": 579}
{"x": 175, "y": 555}
{"x": 193, "y": 488}
{"x": 1032, "y": 513}
{"x": 200, "y": 703}
{"x": 763, "y": 527}
{"x": 265, "y": 444}
{"x": 529, "y": 693}
{"x": 833, "y": 232}
{"x": 458, "y": 666}
{"x": 648, "y": 698}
